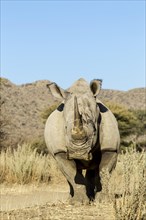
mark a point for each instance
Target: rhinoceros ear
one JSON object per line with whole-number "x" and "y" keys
{"x": 56, "y": 91}
{"x": 95, "y": 86}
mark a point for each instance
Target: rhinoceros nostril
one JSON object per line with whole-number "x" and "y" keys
{"x": 79, "y": 142}
{"x": 78, "y": 134}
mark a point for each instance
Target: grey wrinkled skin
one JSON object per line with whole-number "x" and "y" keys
{"x": 82, "y": 134}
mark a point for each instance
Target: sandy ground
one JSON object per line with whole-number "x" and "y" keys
{"x": 61, "y": 212}
{"x": 19, "y": 197}
{"x": 48, "y": 203}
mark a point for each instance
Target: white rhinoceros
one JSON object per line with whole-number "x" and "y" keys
{"x": 82, "y": 134}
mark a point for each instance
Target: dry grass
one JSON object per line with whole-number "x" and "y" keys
{"x": 23, "y": 166}
{"x": 124, "y": 190}
{"x": 126, "y": 187}
{"x": 131, "y": 205}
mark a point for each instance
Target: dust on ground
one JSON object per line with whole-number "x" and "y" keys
{"x": 48, "y": 203}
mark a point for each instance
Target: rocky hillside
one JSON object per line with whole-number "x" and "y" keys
{"x": 22, "y": 106}
{"x": 132, "y": 99}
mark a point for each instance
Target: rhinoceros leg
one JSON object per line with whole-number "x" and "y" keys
{"x": 90, "y": 184}
{"x": 74, "y": 177}
{"x": 108, "y": 164}
{"x": 108, "y": 161}
{"x": 93, "y": 184}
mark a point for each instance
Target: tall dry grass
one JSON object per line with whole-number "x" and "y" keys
{"x": 132, "y": 204}
{"x": 24, "y": 165}
{"x": 126, "y": 187}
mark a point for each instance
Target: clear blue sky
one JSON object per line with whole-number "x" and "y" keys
{"x": 65, "y": 40}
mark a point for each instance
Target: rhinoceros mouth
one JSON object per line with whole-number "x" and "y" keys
{"x": 79, "y": 149}
{"x": 80, "y": 142}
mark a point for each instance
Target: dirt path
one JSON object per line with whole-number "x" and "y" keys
{"x": 48, "y": 203}
{"x": 19, "y": 198}
{"x": 61, "y": 212}
{"x": 12, "y": 202}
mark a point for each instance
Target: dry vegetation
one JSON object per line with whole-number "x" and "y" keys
{"x": 129, "y": 204}
{"x": 23, "y": 166}
{"x": 123, "y": 196}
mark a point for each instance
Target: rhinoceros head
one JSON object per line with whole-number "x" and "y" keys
{"x": 80, "y": 113}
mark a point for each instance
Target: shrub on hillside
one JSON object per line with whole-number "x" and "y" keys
{"x": 141, "y": 117}
{"x": 130, "y": 123}
{"x": 2, "y": 131}
{"x": 46, "y": 113}
{"x": 3, "y": 124}
{"x": 127, "y": 120}
{"x": 40, "y": 146}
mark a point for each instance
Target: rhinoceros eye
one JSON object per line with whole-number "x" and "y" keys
{"x": 65, "y": 127}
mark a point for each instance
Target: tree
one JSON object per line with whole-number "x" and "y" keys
{"x": 127, "y": 120}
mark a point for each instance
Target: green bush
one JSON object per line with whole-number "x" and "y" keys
{"x": 130, "y": 123}
{"x": 46, "y": 113}
{"x": 4, "y": 122}
{"x": 40, "y": 146}
{"x": 141, "y": 117}
{"x": 127, "y": 120}
{"x": 2, "y": 132}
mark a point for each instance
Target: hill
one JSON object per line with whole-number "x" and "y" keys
{"x": 22, "y": 106}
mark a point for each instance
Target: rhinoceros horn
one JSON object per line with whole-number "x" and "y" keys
{"x": 77, "y": 117}
{"x": 78, "y": 132}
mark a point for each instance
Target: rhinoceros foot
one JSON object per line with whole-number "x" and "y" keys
{"x": 79, "y": 200}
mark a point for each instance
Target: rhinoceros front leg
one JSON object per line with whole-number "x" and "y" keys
{"x": 108, "y": 161}
{"x": 107, "y": 164}
{"x": 75, "y": 178}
